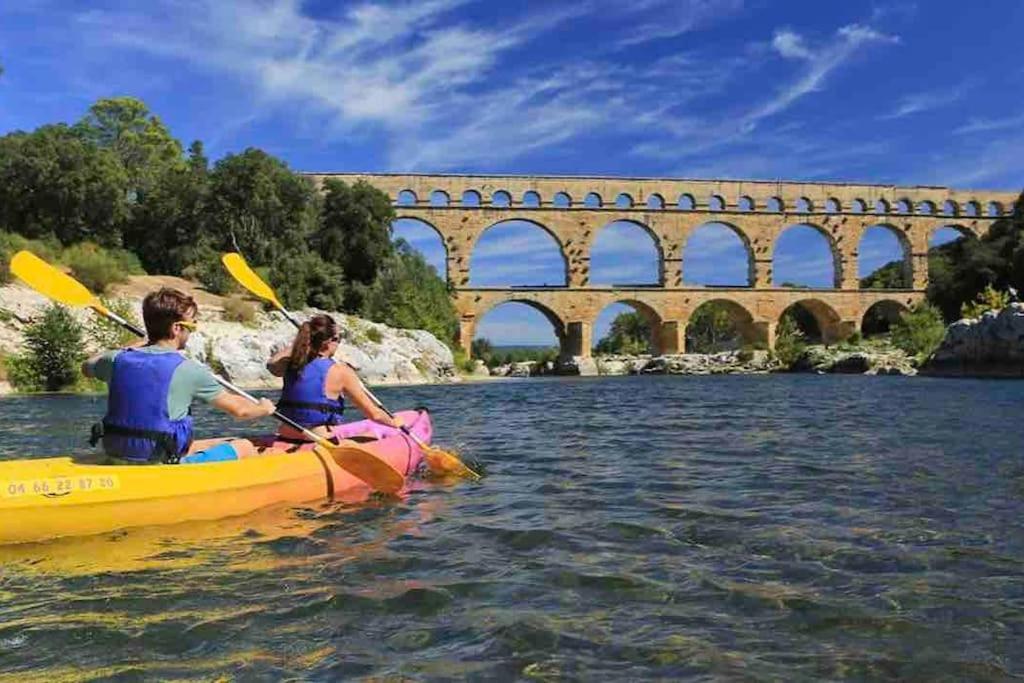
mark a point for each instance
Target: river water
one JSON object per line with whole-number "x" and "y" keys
{"x": 712, "y": 528}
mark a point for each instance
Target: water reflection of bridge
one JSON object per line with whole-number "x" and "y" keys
{"x": 574, "y": 209}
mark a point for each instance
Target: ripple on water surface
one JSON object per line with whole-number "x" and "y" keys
{"x": 753, "y": 528}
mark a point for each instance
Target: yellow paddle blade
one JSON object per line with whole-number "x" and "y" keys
{"x": 51, "y": 282}
{"x": 445, "y": 463}
{"x": 377, "y": 473}
{"x": 248, "y": 278}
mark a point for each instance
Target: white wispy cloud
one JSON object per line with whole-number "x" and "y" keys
{"x": 676, "y": 17}
{"x": 514, "y": 239}
{"x": 991, "y": 125}
{"x": 791, "y": 45}
{"x": 927, "y": 101}
{"x": 821, "y": 62}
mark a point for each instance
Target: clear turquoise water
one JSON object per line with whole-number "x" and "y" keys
{"x": 717, "y": 528}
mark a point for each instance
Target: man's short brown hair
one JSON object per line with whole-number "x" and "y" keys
{"x": 164, "y": 307}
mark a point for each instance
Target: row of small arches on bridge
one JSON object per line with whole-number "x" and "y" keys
{"x": 715, "y": 202}
{"x": 714, "y": 253}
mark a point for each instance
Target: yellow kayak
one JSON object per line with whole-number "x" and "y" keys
{"x": 48, "y": 498}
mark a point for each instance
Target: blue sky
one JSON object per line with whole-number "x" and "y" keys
{"x": 901, "y": 92}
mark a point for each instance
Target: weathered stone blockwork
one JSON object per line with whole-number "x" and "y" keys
{"x": 573, "y": 209}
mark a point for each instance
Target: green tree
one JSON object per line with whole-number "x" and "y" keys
{"x": 304, "y": 279}
{"x": 166, "y": 228}
{"x": 145, "y": 146}
{"x": 408, "y": 293}
{"x": 483, "y": 349}
{"x": 54, "y": 182}
{"x": 711, "y": 328}
{"x": 989, "y": 299}
{"x": 630, "y": 333}
{"x": 257, "y": 206}
{"x": 355, "y": 229}
{"x": 889, "y": 276}
{"x": 54, "y": 350}
{"x": 790, "y": 342}
{"x": 920, "y": 331}
{"x": 961, "y": 270}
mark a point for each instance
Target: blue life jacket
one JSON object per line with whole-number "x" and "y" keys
{"x": 137, "y": 426}
{"x": 303, "y": 398}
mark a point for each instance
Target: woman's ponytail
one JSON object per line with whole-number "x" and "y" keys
{"x": 312, "y": 336}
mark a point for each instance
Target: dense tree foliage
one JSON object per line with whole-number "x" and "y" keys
{"x": 920, "y": 331}
{"x": 139, "y": 139}
{"x": 711, "y": 329}
{"x": 76, "y": 194}
{"x": 166, "y": 226}
{"x": 630, "y": 333}
{"x": 889, "y": 276}
{"x": 355, "y": 229}
{"x": 409, "y": 293}
{"x": 52, "y": 182}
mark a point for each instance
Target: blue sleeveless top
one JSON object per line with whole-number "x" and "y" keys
{"x": 303, "y": 398}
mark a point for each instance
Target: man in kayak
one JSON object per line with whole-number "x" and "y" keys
{"x": 315, "y": 385}
{"x": 152, "y": 387}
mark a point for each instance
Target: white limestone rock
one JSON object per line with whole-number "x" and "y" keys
{"x": 992, "y": 345}
{"x": 381, "y": 354}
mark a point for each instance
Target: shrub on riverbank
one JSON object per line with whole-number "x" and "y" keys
{"x": 919, "y": 331}
{"x": 54, "y": 351}
{"x": 104, "y": 333}
{"x": 238, "y": 310}
{"x": 790, "y": 343}
{"x": 988, "y": 300}
{"x": 98, "y": 268}
{"x": 11, "y": 243}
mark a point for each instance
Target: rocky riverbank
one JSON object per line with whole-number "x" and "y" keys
{"x": 382, "y": 355}
{"x": 869, "y": 358}
{"x": 990, "y": 346}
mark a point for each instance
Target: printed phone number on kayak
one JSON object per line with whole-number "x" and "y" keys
{"x": 57, "y": 486}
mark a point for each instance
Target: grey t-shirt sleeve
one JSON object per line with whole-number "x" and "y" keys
{"x": 103, "y": 367}
{"x": 190, "y": 381}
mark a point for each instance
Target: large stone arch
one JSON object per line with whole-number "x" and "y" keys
{"x": 450, "y": 264}
{"x": 833, "y": 247}
{"x": 906, "y": 249}
{"x": 471, "y": 247}
{"x": 751, "y": 331}
{"x": 738, "y": 231}
{"x": 654, "y": 317}
{"x": 880, "y": 315}
{"x": 830, "y": 323}
{"x": 659, "y": 251}
{"x": 469, "y": 320}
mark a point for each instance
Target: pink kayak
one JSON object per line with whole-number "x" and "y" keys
{"x": 387, "y": 442}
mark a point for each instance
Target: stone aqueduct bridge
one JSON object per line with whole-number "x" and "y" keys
{"x": 573, "y": 209}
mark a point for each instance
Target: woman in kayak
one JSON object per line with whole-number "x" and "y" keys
{"x": 152, "y": 387}
{"x": 315, "y": 385}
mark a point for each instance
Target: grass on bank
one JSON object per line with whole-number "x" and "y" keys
{"x": 94, "y": 266}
